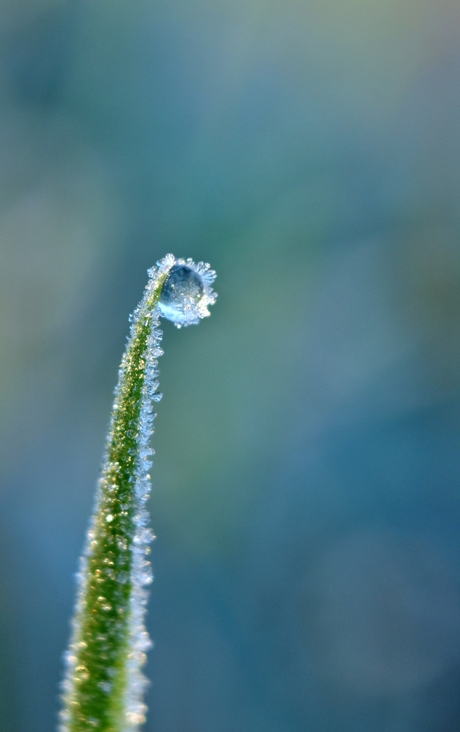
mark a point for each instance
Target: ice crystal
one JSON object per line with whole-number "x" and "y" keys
{"x": 103, "y": 686}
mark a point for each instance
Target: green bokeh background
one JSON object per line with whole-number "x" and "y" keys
{"x": 306, "y": 491}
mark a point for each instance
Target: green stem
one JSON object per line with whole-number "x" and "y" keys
{"x": 103, "y": 687}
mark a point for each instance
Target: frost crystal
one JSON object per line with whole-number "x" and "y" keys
{"x": 103, "y": 686}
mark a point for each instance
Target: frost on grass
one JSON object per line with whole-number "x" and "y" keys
{"x": 104, "y": 685}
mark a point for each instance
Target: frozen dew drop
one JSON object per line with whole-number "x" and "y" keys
{"x": 181, "y": 293}
{"x": 182, "y": 283}
{"x": 186, "y": 293}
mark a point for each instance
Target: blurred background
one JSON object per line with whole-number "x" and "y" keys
{"x": 306, "y": 487}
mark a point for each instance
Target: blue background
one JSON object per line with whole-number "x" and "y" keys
{"x": 306, "y": 484}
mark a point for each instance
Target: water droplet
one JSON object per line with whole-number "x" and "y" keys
{"x": 186, "y": 293}
{"x": 109, "y": 518}
{"x": 182, "y": 289}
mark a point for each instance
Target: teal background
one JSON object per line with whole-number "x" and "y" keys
{"x": 306, "y": 484}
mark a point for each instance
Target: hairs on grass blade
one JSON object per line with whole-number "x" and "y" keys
{"x": 104, "y": 686}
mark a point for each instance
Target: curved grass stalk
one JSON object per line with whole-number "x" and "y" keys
{"x": 103, "y": 686}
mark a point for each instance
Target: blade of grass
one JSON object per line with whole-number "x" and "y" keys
{"x": 103, "y": 686}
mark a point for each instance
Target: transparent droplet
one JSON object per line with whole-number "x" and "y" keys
{"x": 186, "y": 293}
{"x": 181, "y": 292}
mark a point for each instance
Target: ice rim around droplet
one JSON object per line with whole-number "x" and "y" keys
{"x": 186, "y": 309}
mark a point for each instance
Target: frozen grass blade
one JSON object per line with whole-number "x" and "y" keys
{"x": 103, "y": 686}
